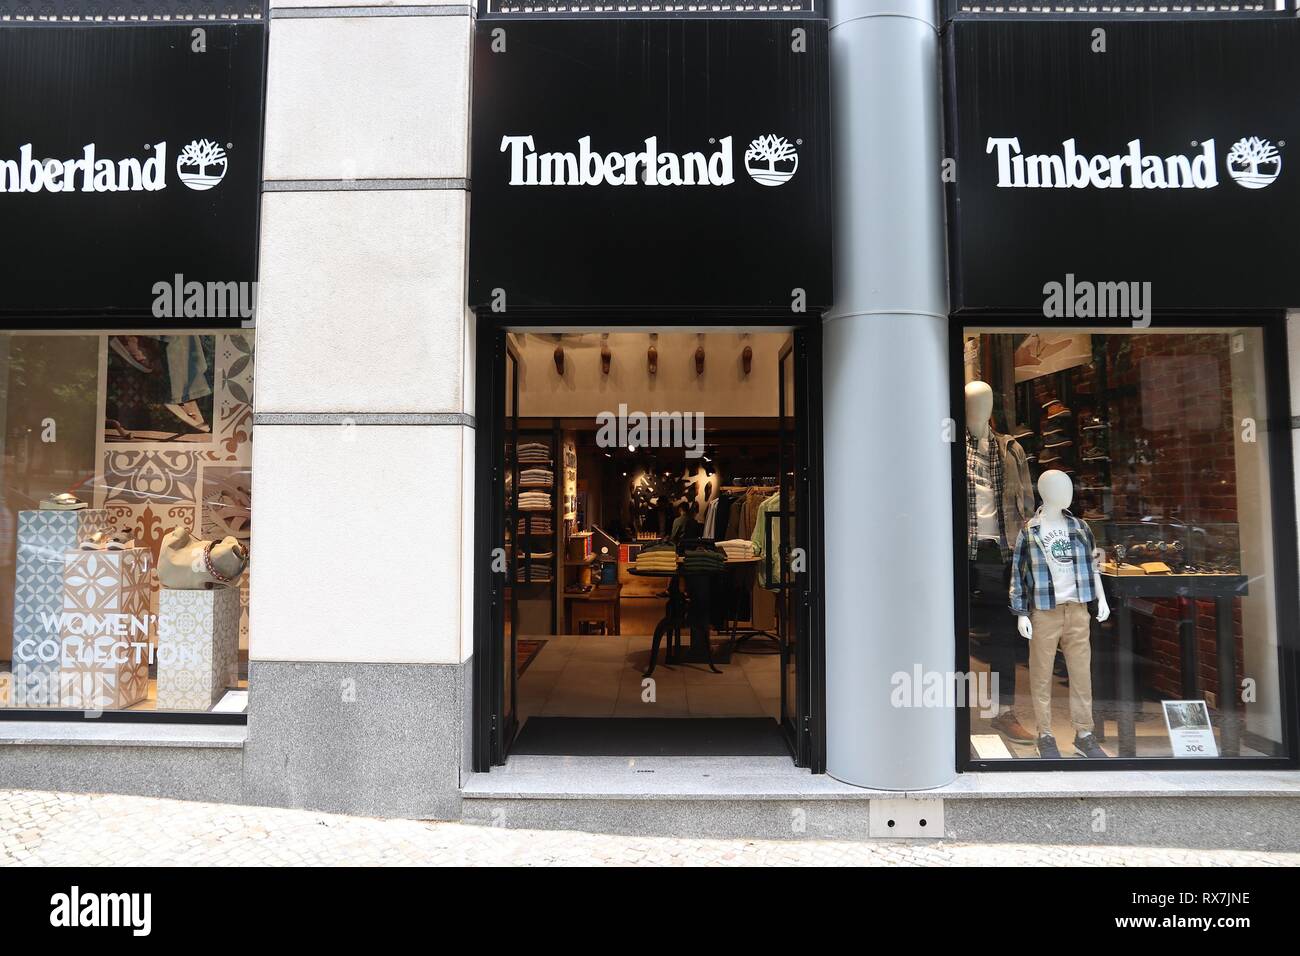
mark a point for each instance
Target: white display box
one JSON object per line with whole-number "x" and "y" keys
{"x": 44, "y": 537}
{"x": 198, "y": 647}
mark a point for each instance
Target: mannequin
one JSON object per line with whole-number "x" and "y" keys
{"x": 1001, "y": 500}
{"x": 1054, "y": 577}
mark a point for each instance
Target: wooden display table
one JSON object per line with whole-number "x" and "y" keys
{"x": 602, "y": 599}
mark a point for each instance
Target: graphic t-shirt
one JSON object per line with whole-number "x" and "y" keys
{"x": 986, "y": 502}
{"x": 1060, "y": 560}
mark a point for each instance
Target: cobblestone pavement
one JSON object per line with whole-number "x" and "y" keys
{"x": 69, "y": 829}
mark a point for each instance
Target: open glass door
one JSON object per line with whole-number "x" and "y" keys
{"x": 505, "y": 714}
{"x": 790, "y": 551}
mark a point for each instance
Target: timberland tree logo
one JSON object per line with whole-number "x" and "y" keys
{"x": 771, "y": 160}
{"x": 1253, "y": 162}
{"x": 202, "y": 164}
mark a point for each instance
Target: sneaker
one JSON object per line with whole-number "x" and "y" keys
{"x": 1057, "y": 443}
{"x": 1047, "y": 747}
{"x": 1093, "y": 423}
{"x": 1055, "y": 409}
{"x": 1007, "y": 725}
{"x": 1085, "y": 745}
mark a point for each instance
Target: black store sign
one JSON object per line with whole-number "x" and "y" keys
{"x": 1173, "y": 157}
{"x": 625, "y": 164}
{"x": 129, "y": 155}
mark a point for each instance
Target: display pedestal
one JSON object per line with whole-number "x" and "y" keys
{"x": 43, "y": 539}
{"x": 198, "y": 647}
{"x": 104, "y": 629}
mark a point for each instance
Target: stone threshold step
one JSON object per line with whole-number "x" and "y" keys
{"x": 776, "y": 778}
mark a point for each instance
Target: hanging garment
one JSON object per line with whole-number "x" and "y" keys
{"x": 767, "y": 570}
{"x": 723, "y": 515}
{"x": 710, "y": 515}
{"x": 1008, "y": 474}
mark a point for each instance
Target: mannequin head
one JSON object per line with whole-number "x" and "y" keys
{"x": 1056, "y": 490}
{"x": 979, "y": 407}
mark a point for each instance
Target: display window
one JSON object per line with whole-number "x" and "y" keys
{"x": 125, "y": 521}
{"x": 1120, "y": 545}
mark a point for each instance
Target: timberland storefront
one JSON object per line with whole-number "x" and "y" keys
{"x": 785, "y": 419}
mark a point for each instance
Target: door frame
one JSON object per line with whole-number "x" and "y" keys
{"x": 489, "y": 742}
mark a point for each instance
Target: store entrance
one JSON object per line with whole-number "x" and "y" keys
{"x": 646, "y": 543}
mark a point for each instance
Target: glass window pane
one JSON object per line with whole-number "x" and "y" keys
{"x": 1156, "y": 457}
{"x": 125, "y": 465}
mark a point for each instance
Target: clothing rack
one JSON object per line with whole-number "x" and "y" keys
{"x": 738, "y": 489}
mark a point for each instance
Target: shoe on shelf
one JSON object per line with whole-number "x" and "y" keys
{"x": 1093, "y": 453}
{"x": 1085, "y": 745}
{"x": 1056, "y": 443}
{"x": 1047, "y": 747}
{"x": 1055, "y": 409}
{"x": 1011, "y": 728}
{"x": 1092, "y": 423}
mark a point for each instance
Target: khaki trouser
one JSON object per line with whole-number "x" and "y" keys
{"x": 1066, "y": 625}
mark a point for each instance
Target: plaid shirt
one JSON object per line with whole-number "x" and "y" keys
{"x": 1031, "y": 577}
{"x": 996, "y": 476}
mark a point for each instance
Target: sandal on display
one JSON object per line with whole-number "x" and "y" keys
{"x": 116, "y": 427}
{"x": 62, "y": 502}
{"x": 128, "y": 347}
{"x": 189, "y": 414}
{"x": 120, "y": 541}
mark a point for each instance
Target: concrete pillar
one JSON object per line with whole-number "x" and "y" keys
{"x": 362, "y": 487}
{"x": 888, "y": 491}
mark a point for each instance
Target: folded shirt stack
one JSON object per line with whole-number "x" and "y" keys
{"x": 533, "y": 451}
{"x": 703, "y": 561}
{"x": 534, "y": 573}
{"x": 657, "y": 557}
{"x": 537, "y": 525}
{"x": 534, "y": 501}
{"x": 737, "y": 548}
{"x": 536, "y": 478}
